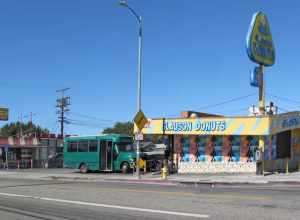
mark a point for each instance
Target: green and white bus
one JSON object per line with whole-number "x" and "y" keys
{"x": 107, "y": 152}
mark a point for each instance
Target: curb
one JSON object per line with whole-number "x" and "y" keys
{"x": 145, "y": 181}
{"x": 220, "y": 183}
{"x": 297, "y": 183}
{"x": 130, "y": 181}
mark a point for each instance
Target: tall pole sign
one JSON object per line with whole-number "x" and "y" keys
{"x": 260, "y": 49}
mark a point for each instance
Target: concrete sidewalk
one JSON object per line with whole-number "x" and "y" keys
{"x": 71, "y": 175}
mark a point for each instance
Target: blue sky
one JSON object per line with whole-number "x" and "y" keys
{"x": 193, "y": 56}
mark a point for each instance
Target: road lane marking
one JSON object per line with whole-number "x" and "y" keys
{"x": 186, "y": 214}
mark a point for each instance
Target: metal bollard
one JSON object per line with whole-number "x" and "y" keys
{"x": 18, "y": 164}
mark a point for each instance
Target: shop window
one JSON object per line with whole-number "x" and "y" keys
{"x": 210, "y": 148}
{"x": 72, "y": 147}
{"x": 283, "y": 145}
{"x": 201, "y": 141}
{"x": 186, "y": 145}
{"x": 218, "y": 147}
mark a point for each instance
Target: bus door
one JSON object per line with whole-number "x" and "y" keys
{"x": 106, "y": 155}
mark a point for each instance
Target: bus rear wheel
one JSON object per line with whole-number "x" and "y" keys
{"x": 125, "y": 167}
{"x": 83, "y": 168}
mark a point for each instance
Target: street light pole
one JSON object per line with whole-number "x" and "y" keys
{"x": 139, "y": 79}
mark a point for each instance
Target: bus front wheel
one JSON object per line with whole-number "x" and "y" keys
{"x": 125, "y": 167}
{"x": 83, "y": 168}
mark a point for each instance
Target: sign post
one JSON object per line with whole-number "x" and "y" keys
{"x": 140, "y": 121}
{"x": 6, "y": 156}
{"x": 4, "y": 117}
{"x": 260, "y": 49}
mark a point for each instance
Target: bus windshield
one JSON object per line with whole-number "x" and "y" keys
{"x": 124, "y": 147}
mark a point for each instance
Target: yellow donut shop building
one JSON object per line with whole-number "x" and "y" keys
{"x": 203, "y": 143}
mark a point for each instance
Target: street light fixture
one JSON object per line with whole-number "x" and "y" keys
{"x": 139, "y": 77}
{"x": 123, "y": 3}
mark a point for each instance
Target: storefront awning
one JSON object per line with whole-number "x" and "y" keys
{"x": 265, "y": 125}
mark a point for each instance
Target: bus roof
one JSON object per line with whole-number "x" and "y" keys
{"x": 98, "y": 136}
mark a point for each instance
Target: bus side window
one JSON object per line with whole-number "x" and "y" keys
{"x": 83, "y": 146}
{"x": 93, "y": 146}
{"x": 72, "y": 147}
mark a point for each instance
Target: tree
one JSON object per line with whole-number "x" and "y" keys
{"x": 27, "y": 129}
{"x": 120, "y": 128}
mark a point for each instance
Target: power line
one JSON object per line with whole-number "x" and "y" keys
{"x": 72, "y": 121}
{"x": 90, "y": 117}
{"x": 237, "y": 110}
{"x": 227, "y": 101}
{"x": 283, "y": 98}
{"x": 87, "y": 124}
{"x": 283, "y": 109}
{"x": 54, "y": 128}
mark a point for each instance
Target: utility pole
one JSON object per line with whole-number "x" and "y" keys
{"x": 21, "y": 124}
{"x": 62, "y": 105}
{"x": 21, "y": 117}
{"x": 31, "y": 116}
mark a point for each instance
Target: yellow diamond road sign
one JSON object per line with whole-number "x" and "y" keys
{"x": 140, "y": 120}
{"x": 3, "y": 114}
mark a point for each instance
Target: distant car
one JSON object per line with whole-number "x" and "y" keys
{"x": 55, "y": 161}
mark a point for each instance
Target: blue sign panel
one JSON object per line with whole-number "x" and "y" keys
{"x": 255, "y": 77}
{"x": 260, "y": 47}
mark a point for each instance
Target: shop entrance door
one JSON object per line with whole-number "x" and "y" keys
{"x": 106, "y": 155}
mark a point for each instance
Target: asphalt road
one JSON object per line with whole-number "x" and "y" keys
{"x": 49, "y": 200}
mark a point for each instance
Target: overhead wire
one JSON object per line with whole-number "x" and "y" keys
{"x": 223, "y": 103}
{"x": 283, "y": 98}
{"x": 286, "y": 99}
{"x": 90, "y": 117}
{"x": 227, "y": 101}
{"x": 283, "y": 109}
{"x": 86, "y": 123}
{"x": 245, "y": 109}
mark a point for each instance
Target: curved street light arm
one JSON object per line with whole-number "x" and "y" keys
{"x": 139, "y": 18}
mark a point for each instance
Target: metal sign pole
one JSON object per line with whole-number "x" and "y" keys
{"x": 261, "y": 113}
{"x": 6, "y": 157}
{"x": 139, "y": 102}
{"x": 260, "y": 49}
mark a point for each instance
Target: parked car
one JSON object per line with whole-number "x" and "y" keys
{"x": 150, "y": 151}
{"x": 55, "y": 161}
{"x": 153, "y": 154}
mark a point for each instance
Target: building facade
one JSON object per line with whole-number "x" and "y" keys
{"x": 28, "y": 152}
{"x": 203, "y": 143}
